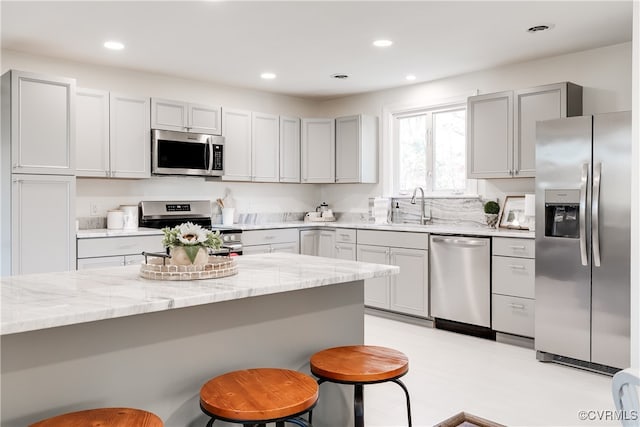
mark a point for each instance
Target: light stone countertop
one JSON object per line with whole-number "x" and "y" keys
{"x": 431, "y": 228}
{"x": 41, "y": 301}
{"x": 103, "y": 232}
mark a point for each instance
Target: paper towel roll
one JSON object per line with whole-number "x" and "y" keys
{"x": 381, "y": 210}
{"x": 529, "y": 204}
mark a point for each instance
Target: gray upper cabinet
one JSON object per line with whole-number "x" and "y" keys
{"x": 490, "y": 135}
{"x": 237, "y": 145}
{"x": 536, "y": 104}
{"x": 318, "y": 151}
{"x": 129, "y": 136}
{"x": 112, "y": 133}
{"x": 92, "y": 133}
{"x": 357, "y": 149}
{"x": 501, "y": 127}
{"x": 42, "y": 123}
{"x": 289, "y": 149}
{"x": 185, "y": 117}
{"x": 265, "y": 147}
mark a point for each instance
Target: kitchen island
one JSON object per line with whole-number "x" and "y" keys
{"x": 108, "y": 337}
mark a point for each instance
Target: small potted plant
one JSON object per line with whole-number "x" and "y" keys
{"x": 491, "y": 211}
{"x": 189, "y": 243}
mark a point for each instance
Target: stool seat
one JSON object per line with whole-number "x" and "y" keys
{"x": 103, "y": 417}
{"x": 359, "y": 364}
{"x": 259, "y": 395}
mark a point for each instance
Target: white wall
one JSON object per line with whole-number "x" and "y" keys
{"x": 604, "y": 73}
{"x": 635, "y": 194}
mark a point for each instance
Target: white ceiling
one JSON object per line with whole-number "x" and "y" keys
{"x": 304, "y": 42}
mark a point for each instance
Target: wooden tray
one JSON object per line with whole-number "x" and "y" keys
{"x": 464, "y": 419}
{"x": 218, "y": 266}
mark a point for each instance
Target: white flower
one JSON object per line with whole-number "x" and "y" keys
{"x": 192, "y": 234}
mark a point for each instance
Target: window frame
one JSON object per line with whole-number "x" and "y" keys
{"x": 471, "y": 184}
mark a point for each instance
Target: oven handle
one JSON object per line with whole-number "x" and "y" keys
{"x": 210, "y": 145}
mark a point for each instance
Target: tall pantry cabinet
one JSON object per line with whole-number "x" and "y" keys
{"x": 37, "y": 171}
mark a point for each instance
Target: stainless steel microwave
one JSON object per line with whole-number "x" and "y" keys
{"x": 185, "y": 153}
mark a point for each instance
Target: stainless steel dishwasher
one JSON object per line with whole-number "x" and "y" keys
{"x": 461, "y": 279}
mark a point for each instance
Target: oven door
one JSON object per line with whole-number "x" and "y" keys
{"x": 183, "y": 153}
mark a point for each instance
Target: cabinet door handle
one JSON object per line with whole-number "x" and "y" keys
{"x": 516, "y": 267}
{"x": 517, "y": 306}
{"x": 517, "y": 248}
{"x": 269, "y": 237}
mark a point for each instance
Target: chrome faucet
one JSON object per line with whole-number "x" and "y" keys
{"x": 423, "y": 219}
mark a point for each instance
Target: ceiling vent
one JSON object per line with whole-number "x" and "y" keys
{"x": 538, "y": 28}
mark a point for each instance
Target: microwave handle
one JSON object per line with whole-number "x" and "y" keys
{"x": 210, "y": 145}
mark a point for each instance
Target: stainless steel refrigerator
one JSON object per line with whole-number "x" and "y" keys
{"x": 583, "y": 205}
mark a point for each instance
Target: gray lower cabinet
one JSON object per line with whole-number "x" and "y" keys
{"x": 268, "y": 241}
{"x": 513, "y": 286}
{"x": 98, "y": 252}
{"x": 318, "y": 243}
{"x": 345, "y": 244}
{"x": 407, "y": 292}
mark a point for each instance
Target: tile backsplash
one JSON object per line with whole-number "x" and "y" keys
{"x": 466, "y": 211}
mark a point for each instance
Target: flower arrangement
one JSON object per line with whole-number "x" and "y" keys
{"x": 192, "y": 238}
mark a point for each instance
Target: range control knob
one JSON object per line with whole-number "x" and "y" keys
{"x": 225, "y": 238}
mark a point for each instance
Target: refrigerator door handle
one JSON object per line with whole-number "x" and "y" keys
{"x": 595, "y": 214}
{"x": 583, "y": 213}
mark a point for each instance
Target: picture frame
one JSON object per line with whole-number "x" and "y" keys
{"x": 512, "y": 214}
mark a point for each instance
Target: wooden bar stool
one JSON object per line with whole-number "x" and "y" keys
{"x": 103, "y": 417}
{"x": 360, "y": 365}
{"x": 259, "y": 396}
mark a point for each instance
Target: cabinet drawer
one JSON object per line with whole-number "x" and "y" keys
{"x": 345, "y": 235}
{"x": 125, "y": 245}
{"x": 513, "y": 276}
{"x": 394, "y": 239}
{"x": 513, "y": 315}
{"x": 507, "y": 246}
{"x": 263, "y": 237}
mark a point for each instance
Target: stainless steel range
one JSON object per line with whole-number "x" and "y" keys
{"x": 160, "y": 214}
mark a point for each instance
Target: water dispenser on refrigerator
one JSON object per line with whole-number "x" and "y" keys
{"x": 561, "y": 211}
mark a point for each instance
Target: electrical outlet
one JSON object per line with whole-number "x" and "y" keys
{"x": 93, "y": 209}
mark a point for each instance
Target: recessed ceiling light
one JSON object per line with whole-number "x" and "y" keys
{"x": 113, "y": 45}
{"x": 382, "y": 43}
{"x": 539, "y": 28}
{"x": 410, "y": 77}
{"x": 268, "y": 76}
{"x": 340, "y": 76}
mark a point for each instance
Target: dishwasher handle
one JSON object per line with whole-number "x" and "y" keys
{"x": 456, "y": 241}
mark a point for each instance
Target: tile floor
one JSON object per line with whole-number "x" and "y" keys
{"x": 450, "y": 373}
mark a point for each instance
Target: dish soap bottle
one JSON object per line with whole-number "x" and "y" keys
{"x": 396, "y": 214}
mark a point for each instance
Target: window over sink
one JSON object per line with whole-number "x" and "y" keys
{"x": 429, "y": 150}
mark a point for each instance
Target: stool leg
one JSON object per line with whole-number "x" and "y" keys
{"x": 358, "y": 406}
{"x": 406, "y": 392}
{"x": 299, "y": 422}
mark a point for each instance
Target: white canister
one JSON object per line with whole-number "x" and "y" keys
{"x": 227, "y": 216}
{"x": 115, "y": 219}
{"x": 130, "y": 216}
